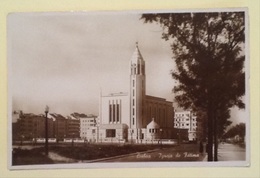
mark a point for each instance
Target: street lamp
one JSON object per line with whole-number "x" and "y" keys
{"x": 161, "y": 136}
{"x": 46, "y": 130}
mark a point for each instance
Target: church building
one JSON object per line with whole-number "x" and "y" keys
{"x": 134, "y": 116}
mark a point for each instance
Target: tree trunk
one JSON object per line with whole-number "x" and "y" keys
{"x": 210, "y": 133}
{"x": 215, "y": 125}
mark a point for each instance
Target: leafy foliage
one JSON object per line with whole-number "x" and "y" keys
{"x": 209, "y": 57}
{"x": 207, "y": 52}
{"x": 238, "y": 129}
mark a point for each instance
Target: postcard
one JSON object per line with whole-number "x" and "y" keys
{"x": 128, "y": 89}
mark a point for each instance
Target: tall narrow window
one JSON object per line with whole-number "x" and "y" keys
{"x": 133, "y": 111}
{"x": 114, "y": 112}
{"x": 133, "y": 83}
{"x": 117, "y": 114}
{"x": 110, "y": 113}
{"x": 133, "y": 121}
{"x": 138, "y": 69}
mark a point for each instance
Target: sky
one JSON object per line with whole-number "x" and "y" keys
{"x": 67, "y": 59}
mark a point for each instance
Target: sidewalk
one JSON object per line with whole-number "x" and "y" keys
{"x": 230, "y": 152}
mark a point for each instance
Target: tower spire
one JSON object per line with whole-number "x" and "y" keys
{"x": 137, "y": 57}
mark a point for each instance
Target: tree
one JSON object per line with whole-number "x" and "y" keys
{"x": 207, "y": 48}
{"x": 238, "y": 129}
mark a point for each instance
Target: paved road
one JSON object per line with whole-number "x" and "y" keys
{"x": 230, "y": 152}
{"x": 187, "y": 152}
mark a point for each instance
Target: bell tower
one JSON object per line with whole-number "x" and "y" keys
{"x": 137, "y": 93}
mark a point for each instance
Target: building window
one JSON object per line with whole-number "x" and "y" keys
{"x": 133, "y": 121}
{"x": 110, "y": 113}
{"x": 133, "y": 83}
{"x": 133, "y": 111}
{"x": 117, "y": 112}
{"x": 133, "y": 102}
{"x": 114, "y": 112}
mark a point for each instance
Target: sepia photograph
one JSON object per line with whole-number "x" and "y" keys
{"x": 151, "y": 88}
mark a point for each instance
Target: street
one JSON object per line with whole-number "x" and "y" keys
{"x": 231, "y": 152}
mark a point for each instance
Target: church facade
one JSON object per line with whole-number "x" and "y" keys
{"x": 133, "y": 115}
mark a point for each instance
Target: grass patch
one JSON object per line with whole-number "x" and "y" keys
{"x": 77, "y": 152}
{"x": 97, "y": 151}
{"x": 30, "y": 157}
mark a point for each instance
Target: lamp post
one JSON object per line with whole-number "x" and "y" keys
{"x": 161, "y": 136}
{"x": 46, "y": 131}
